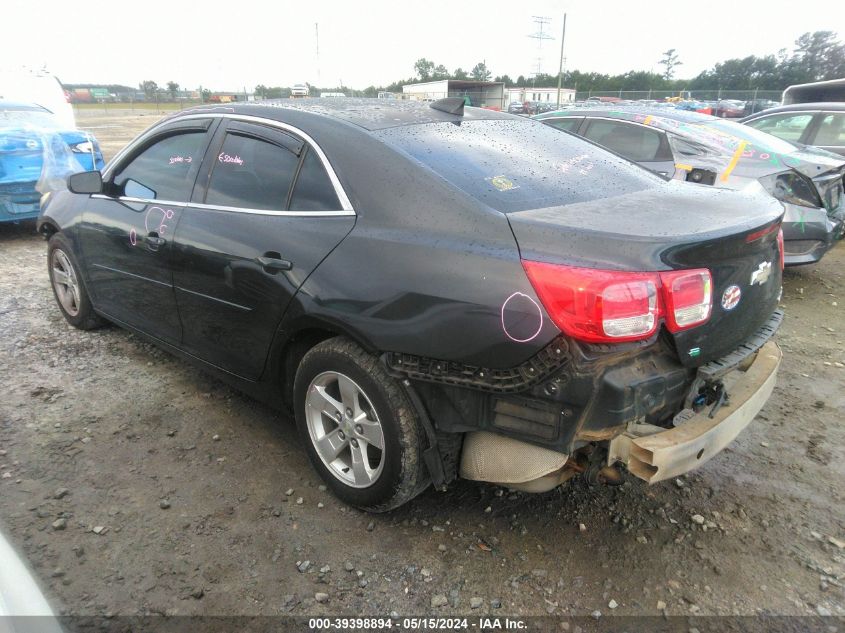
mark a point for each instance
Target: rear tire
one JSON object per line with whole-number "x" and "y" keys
{"x": 68, "y": 286}
{"x": 359, "y": 428}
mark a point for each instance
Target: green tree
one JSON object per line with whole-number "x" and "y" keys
{"x": 480, "y": 72}
{"x": 261, "y": 91}
{"x": 820, "y": 55}
{"x": 149, "y": 88}
{"x": 173, "y": 89}
{"x": 460, "y": 73}
{"x": 424, "y": 68}
{"x": 441, "y": 72}
{"x": 669, "y": 61}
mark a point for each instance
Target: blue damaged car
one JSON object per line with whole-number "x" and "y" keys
{"x": 37, "y": 153}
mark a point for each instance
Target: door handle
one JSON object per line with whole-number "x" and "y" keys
{"x": 272, "y": 262}
{"x": 154, "y": 241}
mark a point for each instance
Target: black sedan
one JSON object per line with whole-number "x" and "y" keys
{"x": 705, "y": 150}
{"x": 433, "y": 290}
{"x": 819, "y": 124}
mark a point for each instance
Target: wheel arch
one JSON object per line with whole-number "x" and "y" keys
{"x": 47, "y": 227}
{"x": 294, "y": 339}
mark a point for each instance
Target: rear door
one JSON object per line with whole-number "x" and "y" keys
{"x": 126, "y": 233}
{"x": 264, "y": 214}
{"x": 639, "y": 143}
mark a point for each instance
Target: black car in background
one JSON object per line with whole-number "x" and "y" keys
{"x": 819, "y": 124}
{"x": 705, "y": 150}
{"x": 433, "y": 291}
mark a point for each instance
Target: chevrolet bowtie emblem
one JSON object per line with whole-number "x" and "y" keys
{"x": 761, "y": 275}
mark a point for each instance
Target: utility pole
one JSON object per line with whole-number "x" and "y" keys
{"x": 541, "y": 22}
{"x": 560, "y": 70}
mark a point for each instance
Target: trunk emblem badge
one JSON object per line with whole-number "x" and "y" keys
{"x": 731, "y": 297}
{"x": 761, "y": 275}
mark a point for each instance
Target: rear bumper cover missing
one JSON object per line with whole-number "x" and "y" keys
{"x": 653, "y": 453}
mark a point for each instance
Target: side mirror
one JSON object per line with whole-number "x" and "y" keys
{"x": 85, "y": 182}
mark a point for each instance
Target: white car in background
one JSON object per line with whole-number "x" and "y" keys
{"x": 40, "y": 88}
{"x": 299, "y": 90}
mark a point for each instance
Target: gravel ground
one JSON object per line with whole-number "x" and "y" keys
{"x": 134, "y": 484}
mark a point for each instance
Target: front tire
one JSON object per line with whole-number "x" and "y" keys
{"x": 359, "y": 427}
{"x": 68, "y": 287}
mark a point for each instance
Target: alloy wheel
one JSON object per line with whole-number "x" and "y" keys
{"x": 345, "y": 429}
{"x": 65, "y": 282}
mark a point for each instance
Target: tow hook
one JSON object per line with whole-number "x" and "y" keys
{"x": 721, "y": 398}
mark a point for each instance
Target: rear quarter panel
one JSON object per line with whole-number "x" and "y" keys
{"x": 426, "y": 270}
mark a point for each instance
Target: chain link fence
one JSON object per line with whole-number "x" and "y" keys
{"x": 692, "y": 95}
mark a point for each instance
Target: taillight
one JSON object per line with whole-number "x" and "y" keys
{"x": 780, "y": 247}
{"x": 689, "y": 298}
{"x": 604, "y": 306}
{"x": 792, "y": 187}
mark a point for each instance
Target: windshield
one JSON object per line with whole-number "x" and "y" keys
{"x": 19, "y": 117}
{"x": 516, "y": 165}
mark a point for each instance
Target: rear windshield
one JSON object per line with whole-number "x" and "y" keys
{"x": 519, "y": 165}
{"x": 28, "y": 116}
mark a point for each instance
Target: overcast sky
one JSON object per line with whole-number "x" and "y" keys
{"x": 241, "y": 43}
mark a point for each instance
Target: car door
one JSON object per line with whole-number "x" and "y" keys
{"x": 638, "y": 143}
{"x": 264, "y": 214}
{"x": 126, "y": 232}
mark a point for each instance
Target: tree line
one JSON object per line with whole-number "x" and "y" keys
{"x": 815, "y": 56}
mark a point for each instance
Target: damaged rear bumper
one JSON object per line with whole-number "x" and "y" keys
{"x": 653, "y": 453}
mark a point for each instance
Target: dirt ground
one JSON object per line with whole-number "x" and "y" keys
{"x": 134, "y": 484}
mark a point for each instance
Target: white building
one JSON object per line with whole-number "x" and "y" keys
{"x": 541, "y": 95}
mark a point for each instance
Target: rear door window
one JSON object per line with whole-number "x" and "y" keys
{"x": 634, "y": 142}
{"x": 788, "y": 126}
{"x": 166, "y": 170}
{"x": 831, "y": 131}
{"x": 313, "y": 190}
{"x": 253, "y": 173}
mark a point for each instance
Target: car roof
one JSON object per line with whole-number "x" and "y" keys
{"x": 837, "y": 106}
{"x": 369, "y": 114}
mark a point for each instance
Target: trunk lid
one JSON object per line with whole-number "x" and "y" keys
{"x": 682, "y": 226}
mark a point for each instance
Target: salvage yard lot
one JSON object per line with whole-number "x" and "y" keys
{"x": 137, "y": 485}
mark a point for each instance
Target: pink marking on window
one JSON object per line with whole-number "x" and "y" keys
{"x": 133, "y": 237}
{"x": 226, "y": 158}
